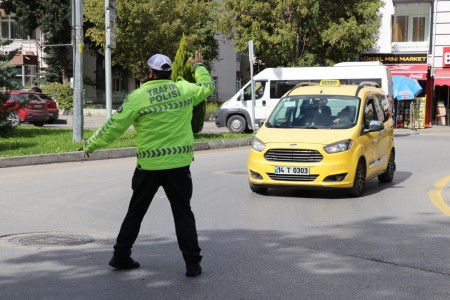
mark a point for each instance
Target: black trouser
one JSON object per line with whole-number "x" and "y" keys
{"x": 177, "y": 184}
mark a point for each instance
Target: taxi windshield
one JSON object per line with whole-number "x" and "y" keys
{"x": 315, "y": 111}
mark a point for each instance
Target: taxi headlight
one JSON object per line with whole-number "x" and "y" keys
{"x": 338, "y": 147}
{"x": 257, "y": 145}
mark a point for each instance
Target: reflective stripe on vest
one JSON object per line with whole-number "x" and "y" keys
{"x": 165, "y": 151}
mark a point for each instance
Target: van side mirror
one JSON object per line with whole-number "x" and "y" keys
{"x": 241, "y": 96}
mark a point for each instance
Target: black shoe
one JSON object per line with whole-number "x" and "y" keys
{"x": 123, "y": 263}
{"x": 193, "y": 270}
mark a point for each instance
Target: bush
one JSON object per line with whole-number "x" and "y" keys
{"x": 62, "y": 93}
{"x": 212, "y": 107}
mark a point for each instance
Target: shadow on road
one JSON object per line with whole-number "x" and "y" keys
{"x": 373, "y": 259}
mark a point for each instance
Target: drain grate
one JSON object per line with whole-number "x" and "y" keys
{"x": 50, "y": 239}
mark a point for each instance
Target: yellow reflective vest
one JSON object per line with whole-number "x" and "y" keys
{"x": 161, "y": 113}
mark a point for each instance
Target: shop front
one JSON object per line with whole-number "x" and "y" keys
{"x": 412, "y": 65}
{"x": 442, "y": 95}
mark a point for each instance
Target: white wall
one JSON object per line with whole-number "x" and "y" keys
{"x": 224, "y": 68}
{"x": 442, "y": 38}
{"x": 384, "y": 40}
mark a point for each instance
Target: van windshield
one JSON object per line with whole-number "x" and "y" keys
{"x": 315, "y": 111}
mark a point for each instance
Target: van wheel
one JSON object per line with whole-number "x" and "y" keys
{"x": 13, "y": 118}
{"x": 388, "y": 175}
{"x": 258, "y": 189}
{"x": 359, "y": 183}
{"x": 236, "y": 124}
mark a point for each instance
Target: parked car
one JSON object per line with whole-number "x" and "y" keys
{"x": 53, "y": 111}
{"x": 29, "y": 108}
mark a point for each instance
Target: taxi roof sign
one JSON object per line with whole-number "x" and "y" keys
{"x": 330, "y": 82}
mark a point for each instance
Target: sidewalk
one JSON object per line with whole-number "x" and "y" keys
{"x": 95, "y": 119}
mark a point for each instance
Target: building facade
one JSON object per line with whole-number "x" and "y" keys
{"x": 413, "y": 39}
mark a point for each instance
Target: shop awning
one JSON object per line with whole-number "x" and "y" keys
{"x": 442, "y": 76}
{"x": 415, "y": 71}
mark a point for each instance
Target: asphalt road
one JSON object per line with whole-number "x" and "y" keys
{"x": 393, "y": 243}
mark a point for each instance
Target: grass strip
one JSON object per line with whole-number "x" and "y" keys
{"x": 40, "y": 140}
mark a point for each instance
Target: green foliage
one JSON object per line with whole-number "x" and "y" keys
{"x": 181, "y": 68}
{"x": 301, "y": 32}
{"x": 62, "y": 93}
{"x": 147, "y": 27}
{"x": 212, "y": 107}
{"x": 7, "y": 73}
{"x": 53, "y": 17}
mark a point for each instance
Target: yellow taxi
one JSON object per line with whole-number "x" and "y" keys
{"x": 325, "y": 136}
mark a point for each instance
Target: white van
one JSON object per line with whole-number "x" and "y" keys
{"x": 272, "y": 83}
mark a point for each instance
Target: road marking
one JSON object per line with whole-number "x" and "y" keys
{"x": 435, "y": 195}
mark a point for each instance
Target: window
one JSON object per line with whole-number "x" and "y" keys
{"x": 400, "y": 30}
{"x": 11, "y": 29}
{"x": 259, "y": 90}
{"x": 411, "y": 22}
{"x": 315, "y": 111}
{"x": 375, "y": 110}
{"x": 279, "y": 87}
{"x": 418, "y": 29}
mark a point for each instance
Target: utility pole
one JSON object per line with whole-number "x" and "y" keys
{"x": 77, "y": 25}
{"x": 110, "y": 28}
{"x": 252, "y": 86}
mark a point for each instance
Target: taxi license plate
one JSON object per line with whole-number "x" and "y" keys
{"x": 292, "y": 170}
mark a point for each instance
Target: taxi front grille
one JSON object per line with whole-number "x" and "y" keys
{"x": 288, "y": 177}
{"x": 293, "y": 155}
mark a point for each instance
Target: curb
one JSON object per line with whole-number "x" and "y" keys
{"x": 6, "y": 162}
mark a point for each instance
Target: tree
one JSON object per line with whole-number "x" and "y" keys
{"x": 53, "y": 17}
{"x": 146, "y": 27}
{"x": 7, "y": 73}
{"x": 301, "y": 32}
{"x": 182, "y": 69}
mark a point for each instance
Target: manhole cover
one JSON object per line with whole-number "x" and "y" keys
{"x": 50, "y": 239}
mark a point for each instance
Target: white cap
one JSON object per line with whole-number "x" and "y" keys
{"x": 160, "y": 62}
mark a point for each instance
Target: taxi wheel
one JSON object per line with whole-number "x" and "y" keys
{"x": 236, "y": 124}
{"x": 388, "y": 175}
{"x": 359, "y": 183}
{"x": 258, "y": 189}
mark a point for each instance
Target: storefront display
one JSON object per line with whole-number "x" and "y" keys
{"x": 411, "y": 113}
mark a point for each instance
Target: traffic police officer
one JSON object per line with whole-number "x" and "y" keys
{"x": 161, "y": 112}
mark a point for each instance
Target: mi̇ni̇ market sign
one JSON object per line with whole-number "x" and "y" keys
{"x": 389, "y": 58}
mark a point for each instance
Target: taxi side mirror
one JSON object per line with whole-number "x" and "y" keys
{"x": 375, "y": 126}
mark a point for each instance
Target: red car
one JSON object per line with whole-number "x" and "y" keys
{"x": 29, "y": 108}
{"x": 53, "y": 111}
